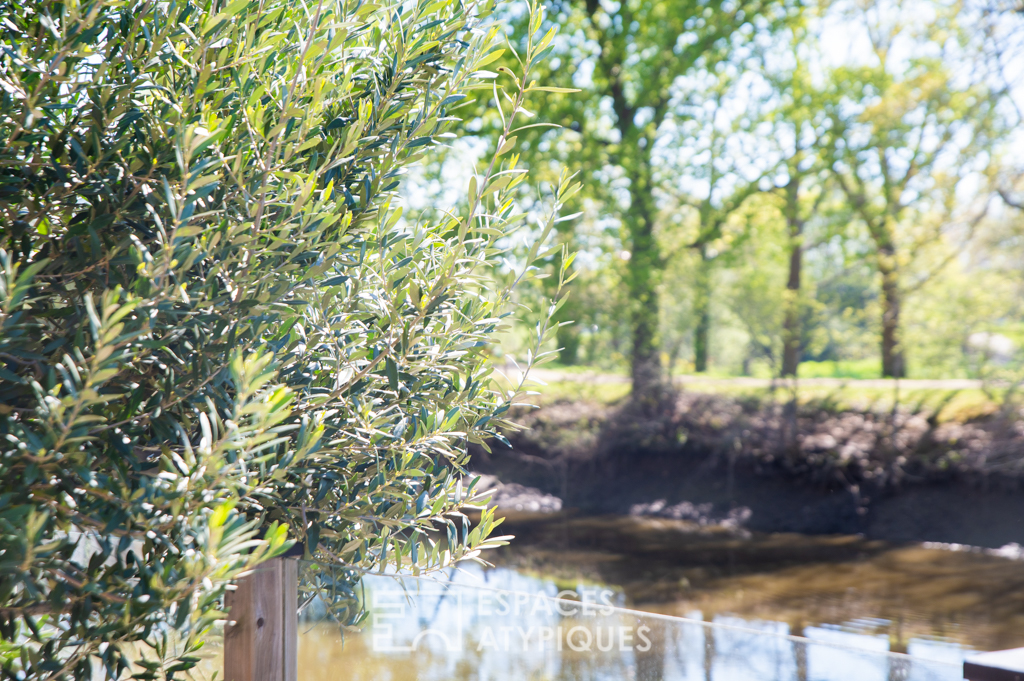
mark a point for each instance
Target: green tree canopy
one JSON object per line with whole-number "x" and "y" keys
{"x": 628, "y": 60}
{"x": 905, "y": 135}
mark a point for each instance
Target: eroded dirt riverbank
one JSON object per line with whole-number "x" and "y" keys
{"x": 895, "y": 477}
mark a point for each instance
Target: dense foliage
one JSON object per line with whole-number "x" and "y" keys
{"x": 629, "y": 61}
{"x": 782, "y": 186}
{"x": 220, "y": 333}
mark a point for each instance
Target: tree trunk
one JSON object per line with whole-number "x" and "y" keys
{"x": 791, "y": 332}
{"x": 642, "y": 271}
{"x": 893, "y": 364}
{"x": 646, "y": 366}
{"x": 568, "y": 339}
{"x": 643, "y": 293}
{"x": 702, "y": 313}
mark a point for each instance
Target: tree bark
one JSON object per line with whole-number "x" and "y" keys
{"x": 643, "y": 268}
{"x": 643, "y": 293}
{"x": 568, "y": 339}
{"x": 893, "y": 363}
{"x": 702, "y": 313}
{"x": 791, "y": 331}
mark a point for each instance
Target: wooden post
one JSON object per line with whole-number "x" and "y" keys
{"x": 261, "y": 636}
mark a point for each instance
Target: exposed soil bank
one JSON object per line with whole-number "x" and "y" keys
{"x": 717, "y": 461}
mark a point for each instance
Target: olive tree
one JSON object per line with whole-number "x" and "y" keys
{"x": 220, "y": 333}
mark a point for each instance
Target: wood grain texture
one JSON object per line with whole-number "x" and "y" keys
{"x": 269, "y": 611}
{"x": 238, "y": 657}
{"x": 290, "y": 581}
{"x": 260, "y": 640}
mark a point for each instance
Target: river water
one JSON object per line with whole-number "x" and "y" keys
{"x": 649, "y": 599}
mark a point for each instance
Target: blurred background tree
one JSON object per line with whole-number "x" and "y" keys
{"x": 784, "y": 190}
{"x": 906, "y": 135}
{"x": 629, "y": 61}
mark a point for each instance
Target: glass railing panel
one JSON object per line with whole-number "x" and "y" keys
{"x": 211, "y": 657}
{"x": 501, "y": 625}
{"x": 209, "y": 665}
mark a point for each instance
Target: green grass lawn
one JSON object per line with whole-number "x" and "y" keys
{"x": 853, "y": 368}
{"x": 608, "y": 386}
{"x": 952, "y": 405}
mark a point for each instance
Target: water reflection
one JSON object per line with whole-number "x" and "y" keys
{"x": 501, "y": 625}
{"x": 907, "y": 594}
{"x": 758, "y": 607}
